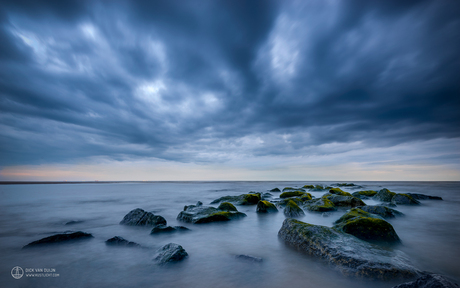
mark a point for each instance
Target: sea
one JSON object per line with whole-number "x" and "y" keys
{"x": 430, "y": 235}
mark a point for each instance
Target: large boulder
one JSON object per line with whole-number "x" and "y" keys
{"x": 293, "y": 210}
{"x": 384, "y": 195}
{"x": 139, "y": 217}
{"x": 350, "y": 255}
{"x": 293, "y": 194}
{"x": 205, "y": 214}
{"x": 120, "y": 241}
{"x": 320, "y": 205}
{"x": 344, "y": 201}
{"x": 243, "y": 199}
{"x": 367, "y": 226}
{"x": 429, "y": 281}
{"x": 404, "y": 199}
{"x": 227, "y": 206}
{"x": 365, "y": 194}
{"x": 418, "y": 196}
{"x": 170, "y": 253}
{"x": 382, "y": 211}
{"x": 266, "y": 207}
{"x": 60, "y": 238}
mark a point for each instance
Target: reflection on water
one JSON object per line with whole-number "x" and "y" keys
{"x": 430, "y": 236}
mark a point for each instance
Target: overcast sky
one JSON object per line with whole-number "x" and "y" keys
{"x": 229, "y": 90}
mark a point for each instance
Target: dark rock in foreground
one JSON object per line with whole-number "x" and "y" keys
{"x": 351, "y": 256}
{"x": 418, "y": 196}
{"x": 205, "y": 214}
{"x": 266, "y": 207}
{"x": 404, "y": 199}
{"x": 139, "y": 217}
{"x": 293, "y": 210}
{"x": 382, "y": 211}
{"x": 367, "y": 226}
{"x": 119, "y": 241}
{"x": 429, "y": 281}
{"x": 164, "y": 229}
{"x": 227, "y": 206}
{"x": 170, "y": 253}
{"x": 59, "y": 238}
{"x": 249, "y": 258}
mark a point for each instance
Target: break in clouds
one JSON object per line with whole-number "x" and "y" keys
{"x": 212, "y": 81}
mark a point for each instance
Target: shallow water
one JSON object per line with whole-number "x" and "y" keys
{"x": 430, "y": 235}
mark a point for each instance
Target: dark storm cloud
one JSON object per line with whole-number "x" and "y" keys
{"x": 180, "y": 80}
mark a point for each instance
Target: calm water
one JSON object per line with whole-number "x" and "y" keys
{"x": 430, "y": 235}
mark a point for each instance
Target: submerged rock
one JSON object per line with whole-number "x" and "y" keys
{"x": 266, "y": 207}
{"x": 344, "y": 201}
{"x": 205, "y": 214}
{"x": 243, "y": 199}
{"x": 365, "y": 194}
{"x": 384, "y": 195}
{"x": 275, "y": 190}
{"x": 351, "y": 256}
{"x": 293, "y": 189}
{"x": 170, "y": 253}
{"x": 429, "y": 281}
{"x": 382, "y": 211}
{"x": 139, "y": 217}
{"x": 293, "y": 210}
{"x": 418, "y": 196}
{"x": 367, "y": 226}
{"x": 120, "y": 241}
{"x": 249, "y": 258}
{"x": 404, "y": 199}
{"x": 320, "y": 205}
{"x": 227, "y": 206}
{"x": 73, "y": 222}
{"x": 163, "y": 228}
{"x": 59, "y": 238}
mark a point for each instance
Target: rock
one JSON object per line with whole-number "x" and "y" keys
{"x": 119, "y": 241}
{"x": 382, "y": 211}
{"x": 73, "y": 222}
{"x": 384, "y": 195}
{"x": 367, "y": 226}
{"x": 199, "y": 203}
{"x": 265, "y": 196}
{"x": 293, "y": 210}
{"x": 418, "y": 196}
{"x": 265, "y": 207}
{"x": 308, "y": 187}
{"x": 139, "y": 217}
{"x": 320, "y": 205}
{"x": 275, "y": 190}
{"x": 344, "y": 201}
{"x": 404, "y": 199}
{"x": 345, "y": 184}
{"x": 227, "y": 206}
{"x": 205, "y": 214}
{"x": 429, "y": 281}
{"x": 351, "y": 256}
{"x": 163, "y": 228}
{"x": 293, "y": 189}
{"x": 338, "y": 191}
{"x": 59, "y": 238}
{"x": 249, "y": 258}
{"x": 243, "y": 199}
{"x": 366, "y": 194}
{"x": 292, "y": 194}
{"x": 170, "y": 253}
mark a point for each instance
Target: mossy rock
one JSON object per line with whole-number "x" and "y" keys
{"x": 292, "y": 194}
{"x": 251, "y": 199}
{"x": 306, "y": 197}
{"x": 275, "y": 190}
{"x": 243, "y": 199}
{"x": 367, "y": 226}
{"x": 293, "y": 210}
{"x": 404, "y": 199}
{"x": 227, "y": 206}
{"x": 382, "y": 211}
{"x": 205, "y": 214}
{"x": 344, "y": 201}
{"x": 266, "y": 207}
{"x": 308, "y": 187}
{"x": 346, "y": 184}
{"x": 293, "y": 189}
{"x": 320, "y": 205}
{"x": 365, "y": 194}
{"x": 338, "y": 191}
{"x": 384, "y": 195}
{"x": 418, "y": 196}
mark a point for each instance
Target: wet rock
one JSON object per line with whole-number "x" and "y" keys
{"x": 249, "y": 258}
{"x": 199, "y": 203}
{"x": 139, "y": 217}
{"x": 265, "y": 196}
{"x": 293, "y": 210}
{"x": 346, "y": 184}
{"x": 120, "y": 241}
{"x": 320, "y": 205}
{"x": 351, "y": 256}
{"x": 275, "y": 190}
{"x": 384, "y": 195}
{"x": 365, "y": 194}
{"x": 404, "y": 199}
{"x": 293, "y": 189}
{"x": 308, "y": 187}
{"x": 165, "y": 229}
{"x": 73, "y": 222}
{"x": 295, "y": 194}
{"x": 243, "y": 199}
{"x": 429, "y": 281}
{"x": 60, "y": 238}
{"x": 205, "y": 214}
{"x": 418, "y": 196}
{"x": 367, "y": 226}
{"x": 320, "y": 188}
{"x": 266, "y": 207}
{"x": 382, "y": 211}
{"x": 227, "y": 206}
{"x": 338, "y": 191}
{"x": 344, "y": 201}
{"x": 170, "y": 253}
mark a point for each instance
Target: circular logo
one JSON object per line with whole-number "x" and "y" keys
{"x": 17, "y": 272}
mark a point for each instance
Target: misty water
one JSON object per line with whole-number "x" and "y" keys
{"x": 430, "y": 235}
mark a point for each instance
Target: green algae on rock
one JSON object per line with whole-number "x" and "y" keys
{"x": 344, "y": 201}
{"x": 350, "y": 255}
{"x": 404, "y": 199}
{"x": 293, "y": 189}
{"x": 205, "y": 214}
{"x": 339, "y": 191}
{"x": 293, "y": 210}
{"x": 320, "y": 205}
{"x": 266, "y": 207}
{"x": 384, "y": 195}
{"x": 292, "y": 194}
{"x": 365, "y": 194}
{"x": 243, "y": 199}
{"x": 227, "y": 206}
{"x": 382, "y": 211}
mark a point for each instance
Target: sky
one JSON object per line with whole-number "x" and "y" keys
{"x": 229, "y": 90}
